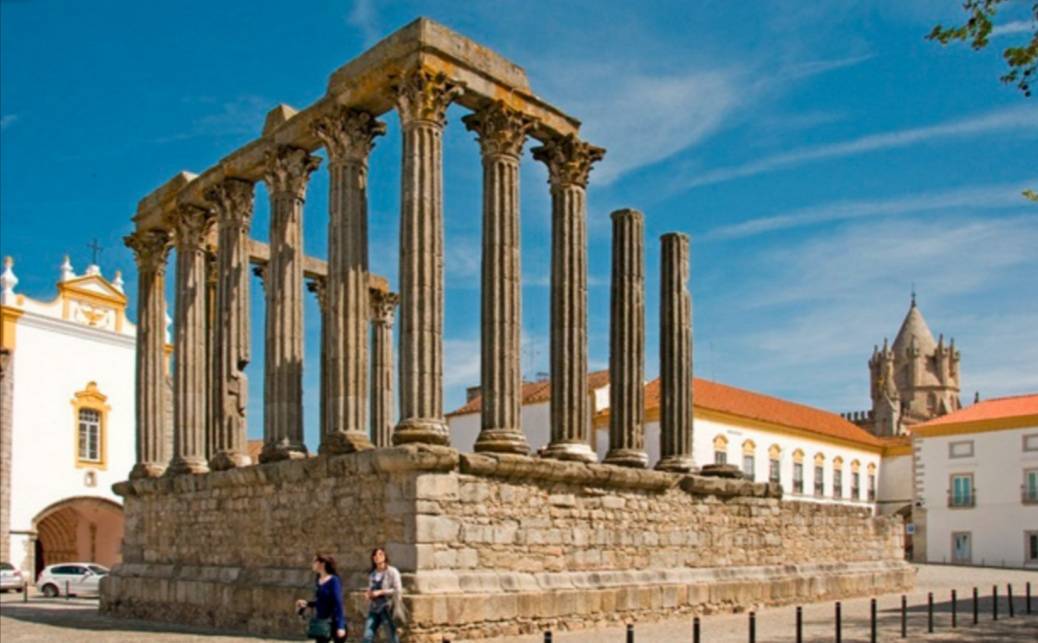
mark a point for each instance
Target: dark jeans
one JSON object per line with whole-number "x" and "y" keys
{"x": 334, "y": 639}
{"x": 376, "y": 620}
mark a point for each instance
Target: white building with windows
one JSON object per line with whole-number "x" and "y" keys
{"x": 67, "y": 420}
{"x": 816, "y": 455}
{"x": 976, "y": 485}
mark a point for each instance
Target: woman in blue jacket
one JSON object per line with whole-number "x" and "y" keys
{"x": 327, "y": 601}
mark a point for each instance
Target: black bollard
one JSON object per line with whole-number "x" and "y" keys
{"x": 994, "y": 602}
{"x": 1009, "y": 597}
{"x": 446, "y": 640}
{"x": 547, "y": 636}
{"x": 976, "y": 606}
{"x": 800, "y": 624}
{"x": 630, "y": 633}
{"x": 67, "y": 595}
{"x": 954, "y": 610}
{"x": 872, "y": 620}
{"x": 695, "y": 630}
{"x": 753, "y": 627}
{"x": 929, "y": 612}
{"x": 1027, "y": 605}
{"x": 904, "y": 616}
{"x": 839, "y": 625}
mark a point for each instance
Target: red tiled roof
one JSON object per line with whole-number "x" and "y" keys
{"x": 725, "y": 399}
{"x": 996, "y": 408}
{"x": 533, "y": 393}
{"x": 757, "y": 406}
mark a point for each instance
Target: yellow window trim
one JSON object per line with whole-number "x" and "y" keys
{"x": 819, "y": 459}
{"x": 775, "y": 452}
{"x": 976, "y": 426}
{"x": 855, "y": 466}
{"x": 720, "y": 442}
{"x": 749, "y": 447}
{"x": 90, "y": 398}
{"x": 798, "y": 456}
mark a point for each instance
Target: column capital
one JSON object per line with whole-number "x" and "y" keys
{"x": 348, "y": 134}
{"x": 232, "y": 199}
{"x": 423, "y": 95}
{"x": 318, "y": 286}
{"x": 288, "y": 170}
{"x": 500, "y": 130}
{"x": 569, "y": 160}
{"x": 383, "y": 305}
{"x": 150, "y": 249}
{"x": 191, "y": 226}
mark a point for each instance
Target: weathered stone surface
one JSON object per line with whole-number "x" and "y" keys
{"x": 675, "y": 356}
{"x": 533, "y": 542}
{"x": 383, "y": 308}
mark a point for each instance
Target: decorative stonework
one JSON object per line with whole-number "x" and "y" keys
{"x": 423, "y": 96}
{"x": 349, "y": 134}
{"x": 569, "y": 160}
{"x": 500, "y": 130}
{"x": 233, "y": 201}
{"x": 289, "y": 169}
{"x": 383, "y": 309}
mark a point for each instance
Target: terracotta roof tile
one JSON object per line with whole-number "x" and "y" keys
{"x": 757, "y": 406}
{"x": 994, "y": 409}
{"x": 533, "y": 393}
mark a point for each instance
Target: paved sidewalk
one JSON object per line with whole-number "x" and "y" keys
{"x": 77, "y": 620}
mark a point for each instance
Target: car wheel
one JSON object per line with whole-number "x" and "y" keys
{"x": 50, "y": 591}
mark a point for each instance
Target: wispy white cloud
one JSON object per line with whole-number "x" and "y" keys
{"x": 1014, "y": 27}
{"x": 1014, "y": 119}
{"x": 364, "y": 17}
{"x": 815, "y": 67}
{"x": 985, "y": 197}
{"x": 7, "y": 120}
{"x": 239, "y": 117}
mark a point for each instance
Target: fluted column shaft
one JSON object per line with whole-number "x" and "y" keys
{"x": 675, "y": 355}
{"x": 233, "y": 200}
{"x": 151, "y": 250}
{"x": 190, "y": 372}
{"x": 569, "y": 162}
{"x": 383, "y": 305}
{"x": 348, "y": 136}
{"x": 502, "y": 132}
{"x": 318, "y": 287}
{"x": 288, "y": 170}
{"x": 627, "y": 342}
{"x": 422, "y": 98}
{"x": 212, "y": 358}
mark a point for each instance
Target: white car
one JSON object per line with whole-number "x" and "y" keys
{"x": 74, "y": 579}
{"x": 11, "y": 578}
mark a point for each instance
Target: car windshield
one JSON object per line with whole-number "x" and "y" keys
{"x": 97, "y": 569}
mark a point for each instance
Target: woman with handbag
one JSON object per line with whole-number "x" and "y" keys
{"x": 385, "y": 598}
{"x": 328, "y": 622}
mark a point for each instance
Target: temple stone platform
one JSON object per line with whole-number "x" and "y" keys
{"x": 489, "y": 545}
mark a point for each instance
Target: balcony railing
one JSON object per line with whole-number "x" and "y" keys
{"x": 1028, "y": 495}
{"x": 962, "y": 500}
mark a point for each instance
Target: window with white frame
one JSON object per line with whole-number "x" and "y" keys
{"x": 872, "y": 486}
{"x": 837, "y": 483}
{"x": 774, "y": 470}
{"x": 855, "y": 485}
{"x": 89, "y": 435}
{"x": 819, "y": 480}
{"x": 1031, "y": 442}
{"x": 798, "y": 477}
{"x": 962, "y": 493}
{"x": 1030, "y": 489}
{"x": 961, "y": 449}
{"x": 748, "y": 465}
{"x": 1031, "y": 547}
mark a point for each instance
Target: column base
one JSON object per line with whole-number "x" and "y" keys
{"x": 283, "y": 450}
{"x": 179, "y": 466}
{"x": 635, "y": 458}
{"x": 577, "y": 451}
{"x": 677, "y": 464}
{"x": 147, "y": 470}
{"x": 425, "y": 430}
{"x": 229, "y": 460}
{"x": 502, "y": 441}
{"x": 344, "y": 442}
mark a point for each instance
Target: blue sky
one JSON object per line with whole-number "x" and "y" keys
{"x": 823, "y": 156}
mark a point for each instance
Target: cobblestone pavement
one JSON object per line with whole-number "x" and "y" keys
{"x": 77, "y": 619}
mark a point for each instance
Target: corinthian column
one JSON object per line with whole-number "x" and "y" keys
{"x": 190, "y": 375}
{"x": 151, "y": 250}
{"x": 422, "y": 98}
{"x": 288, "y": 171}
{"x": 348, "y": 136}
{"x": 502, "y": 132}
{"x": 383, "y": 305}
{"x": 233, "y": 202}
{"x": 627, "y": 342}
{"x": 569, "y": 162}
{"x": 675, "y": 356}
{"x": 318, "y": 287}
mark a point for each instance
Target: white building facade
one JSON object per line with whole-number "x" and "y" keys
{"x": 976, "y": 491}
{"x": 67, "y": 421}
{"x": 817, "y": 456}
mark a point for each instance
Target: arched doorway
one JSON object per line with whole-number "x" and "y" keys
{"x": 79, "y": 529}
